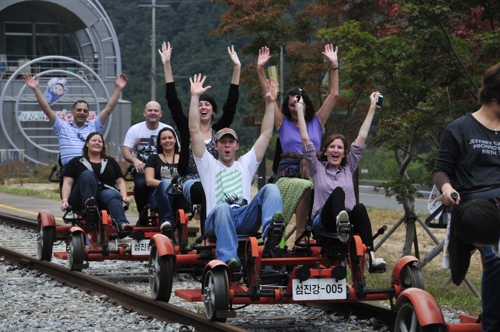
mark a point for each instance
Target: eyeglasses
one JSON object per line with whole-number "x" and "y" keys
{"x": 80, "y": 136}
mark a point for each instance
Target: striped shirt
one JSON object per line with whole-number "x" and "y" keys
{"x": 326, "y": 178}
{"x": 72, "y": 138}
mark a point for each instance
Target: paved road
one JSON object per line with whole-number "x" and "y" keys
{"x": 369, "y": 197}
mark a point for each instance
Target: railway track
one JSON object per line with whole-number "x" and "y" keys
{"x": 160, "y": 310}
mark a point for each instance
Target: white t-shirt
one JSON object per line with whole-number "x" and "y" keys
{"x": 142, "y": 140}
{"x": 219, "y": 180}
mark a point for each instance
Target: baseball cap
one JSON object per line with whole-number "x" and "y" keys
{"x": 225, "y": 131}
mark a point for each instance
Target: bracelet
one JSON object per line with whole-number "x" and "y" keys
{"x": 64, "y": 200}
{"x": 334, "y": 68}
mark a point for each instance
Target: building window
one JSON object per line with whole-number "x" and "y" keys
{"x": 33, "y": 40}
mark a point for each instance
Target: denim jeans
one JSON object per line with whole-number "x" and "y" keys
{"x": 161, "y": 201}
{"x": 490, "y": 292}
{"x": 141, "y": 190}
{"x": 227, "y": 222}
{"x": 186, "y": 189}
{"x": 108, "y": 199}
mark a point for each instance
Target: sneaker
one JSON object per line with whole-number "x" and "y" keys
{"x": 234, "y": 264}
{"x": 378, "y": 265}
{"x": 274, "y": 231}
{"x": 343, "y": 226}
{"x": 91, "y": 211}
{"x": 166, "y": 225}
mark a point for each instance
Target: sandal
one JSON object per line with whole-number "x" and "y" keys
{"x": 91, "y": 211}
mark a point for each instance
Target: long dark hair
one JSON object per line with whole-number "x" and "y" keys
{"x": 85, "y": 149}
{"x": 159, "y": 148}
{"x": 308, "y": 115}
{"x": 490, "y": 91}
{"x": 328, "y": 141}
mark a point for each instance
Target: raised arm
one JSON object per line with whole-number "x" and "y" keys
{"x": 304, "y": 135}
{"x": 197, "y": 90}
{"x": 233, "y": 94}
{"x": 264, "y": 56}
{"x": 365, "y": 127}
{"x": 236, "y": 65}
{"x": 34, "y": 84}
{"x": 166, "y": 54}
{"x": 324, "y": 112}
{"x": 120, "y": 83}
{"x": 266, "y": 129}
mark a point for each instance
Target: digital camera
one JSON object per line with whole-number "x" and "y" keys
{"x": 380, "y": 99}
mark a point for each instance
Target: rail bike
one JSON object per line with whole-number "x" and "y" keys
{"x": 92, "y": 239}
{"x": 419, "y": 311}
{"x": 97, "y": 239}
{"x": 315, "y": 271}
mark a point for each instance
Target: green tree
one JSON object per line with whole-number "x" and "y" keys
{"x": 425, "y": 56}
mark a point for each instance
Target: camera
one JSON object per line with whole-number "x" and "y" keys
{"x": 380, "y": 99}
{"x": 298, "y": 95}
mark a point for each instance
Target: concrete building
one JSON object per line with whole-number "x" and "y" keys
{"x": 71, "y": 43}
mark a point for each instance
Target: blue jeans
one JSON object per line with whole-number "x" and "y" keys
{"x": 141, "y": 190}
{"x": 108, "y": 199}
{"x": 490, "y": 292}
{"x": 226, "y": 222}
{"x": 186, "y": 189}
{"x": 161, "y": 201}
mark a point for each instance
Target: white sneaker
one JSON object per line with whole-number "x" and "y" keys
{"x": 343, "y": 226}
{"x": 166, "y": 225}
{"x": 378, "y": 265}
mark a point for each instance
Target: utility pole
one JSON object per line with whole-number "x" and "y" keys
{"x": 153, "y": 5}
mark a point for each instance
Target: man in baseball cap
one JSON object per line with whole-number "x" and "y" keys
{"x": 227, "y": 182}
{"x": 225, "y": 131}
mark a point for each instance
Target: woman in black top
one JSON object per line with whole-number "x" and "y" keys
{"x": 191, "y": 184}
{"x": 95, "y": 181}
{"x": 160, "y": 168}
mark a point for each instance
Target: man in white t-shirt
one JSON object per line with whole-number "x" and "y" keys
{"x": 139, "y": 144}
{"x": 227, "y": 182}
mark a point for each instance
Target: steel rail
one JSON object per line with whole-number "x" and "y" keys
{"x": 362, "y": 310}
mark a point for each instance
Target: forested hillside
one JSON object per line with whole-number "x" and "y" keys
{"x": 187, "y": 26}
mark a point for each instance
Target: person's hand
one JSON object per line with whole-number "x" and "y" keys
{"x": 264, "y": 56}
{"x": 299, "y": 105}
{"x": 331, "y": 54}
{"x": 139, "y": 165}
{"x": 165, "y": 52}
{"x": 64, "y": 206}
{"x": 32, "y": 82}
{"x": 126, "y": 200}
{"x": 272, "y": 90}
{"x": 197, "y": 88}
{"x": 446, "y": 198}
{"x": 373, "y": 98}
{"x": 121, "y": 81}
{"x": 234, "y": 56}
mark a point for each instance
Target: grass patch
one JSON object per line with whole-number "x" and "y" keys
{"x": 46, "y": 193}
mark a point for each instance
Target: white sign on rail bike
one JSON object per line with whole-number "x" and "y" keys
{"x": 319, "y": 289}
{"x": 141, "y": 247}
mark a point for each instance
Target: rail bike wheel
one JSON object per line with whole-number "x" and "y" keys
{"x": 75, "y": 250}
{"x": 44, "y": 242}
{"x": 411, "y": 276}
{"x": 216, "y": 293}
{"x": 407, "y": 321}
{"x": 161, "y": 275}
